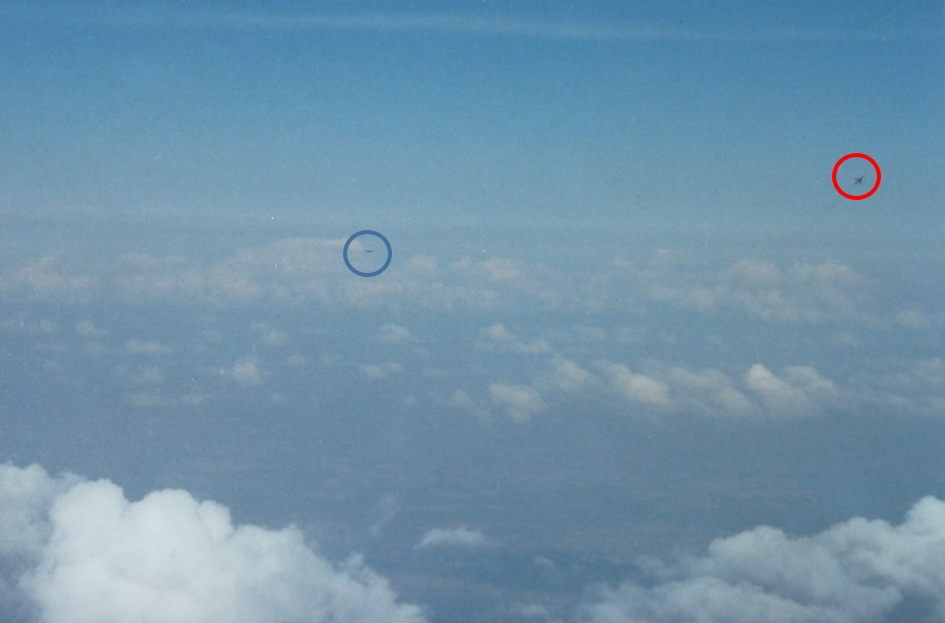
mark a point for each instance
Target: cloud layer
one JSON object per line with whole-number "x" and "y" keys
{"x": 486, "y": 26}
{"x": 80, "y": 552}
{"x": 857, "y": 571}
{"x": 667, "y": 336}
{"x": 308, "y": 269}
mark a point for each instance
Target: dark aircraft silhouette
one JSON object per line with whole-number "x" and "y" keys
{"x": 859, "y": 180}
{"x": 369, "y": 250}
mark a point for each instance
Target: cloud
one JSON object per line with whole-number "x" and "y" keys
{"x": 87, "y": 329}
{"x": 503, "y": 282}
{"x": 25, "y": 498}
{"x": 300, "y": 269}
{"x": 803, "y": 293}
{"x": 636, "y": 387}
{"x": 425, "y": 23}
{"x": 460, "y": 400}
{"x": 145, "y": 375}
{"x": 529, "y": 611}
{"x": 538, "y": 346}
{"x": 386, "y": 509}
{"x": 422, "y": 264}
{"x": 309, "y": 270}
{"x": 43, "y": 326}
{"x": 585, "y": 333}
{"x": 918, "y": 387}
{"x": 145, "y": 400}
{"x": 246, "y": 373}
{"x": 521, "y": 401}
{"x": 801, "y": 391}
{"x": 913, "y": 319}
{"x": 498, "y": 333}
{"x": 393, "y": 334}
{"x": 269, "y": 336}
{"x": 845, "y": 338}
{"x": 857, "y": 571}
{"x": 194, "y": 399}
{"x": 571, "y": 378}
{"x": 755, "y": 271}
{"x": 711, "y": 390}
{"x": 453, "y": 537}
{"x": 287, "y": 270}
{"x": 925, "y": 373}
{"x": 80, "y": 552}
{"x": 376, "y": 373}
{"x": 137, "y": 347}
{"x": 48, "y": 278}
{"x": 567, "y": 380}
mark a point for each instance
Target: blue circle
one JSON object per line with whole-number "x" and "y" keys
{"x": 390, "y": 254}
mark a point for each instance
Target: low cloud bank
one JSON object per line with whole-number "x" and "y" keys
{"x": 294, "y": 270}
{"x": 854, "y": 572}
{"x": 75, "y": 551}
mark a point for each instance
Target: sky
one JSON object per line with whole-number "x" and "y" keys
{"x": 633, "y": 359}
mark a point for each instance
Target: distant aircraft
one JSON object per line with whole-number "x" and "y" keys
{"x": 369, "y": 250}
{"x": 859, "y": 180}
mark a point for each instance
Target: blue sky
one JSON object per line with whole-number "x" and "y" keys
{"x": 441, "y": 123}
{"x": 634, "y": 358}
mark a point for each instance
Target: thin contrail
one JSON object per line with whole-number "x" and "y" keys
{"x": 423, "y": 24}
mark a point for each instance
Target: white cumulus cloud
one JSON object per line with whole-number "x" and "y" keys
{"x": 571, "y": 378}
{"x": 801, "y": 391}
{"x": 522, "y": 401}
{"x": 498, "y": 333}
{"x": 636, "y": 387}
{"x": 82, "y": 553}
{"x": 857, "y": 571}
{"x": 711, "y": 390}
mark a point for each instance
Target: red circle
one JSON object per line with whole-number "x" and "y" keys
{"x": 844, "y": 159}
